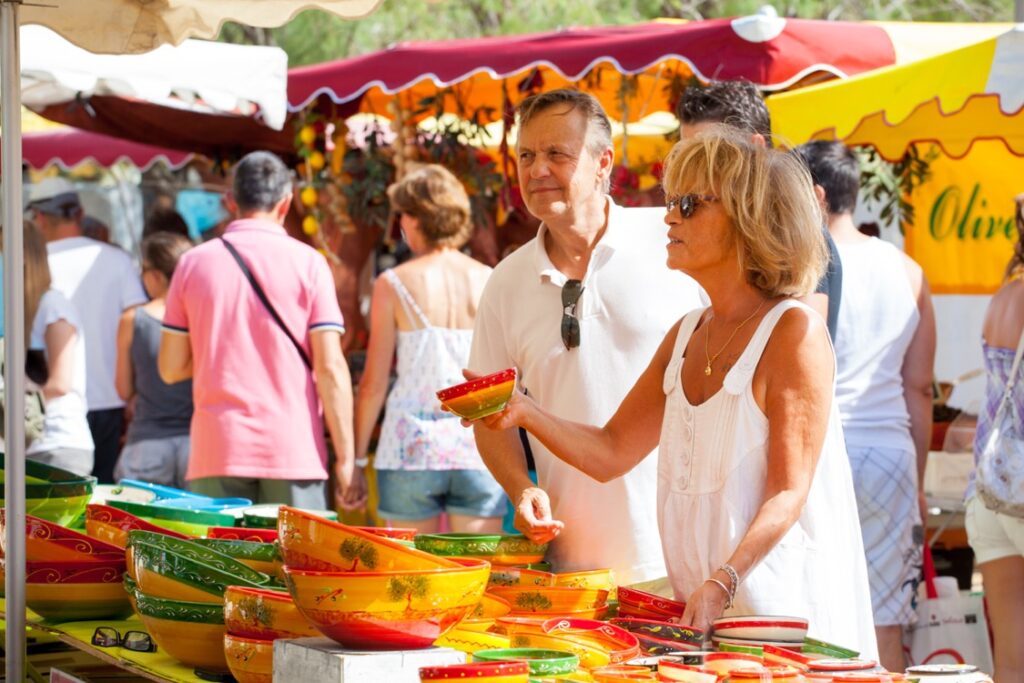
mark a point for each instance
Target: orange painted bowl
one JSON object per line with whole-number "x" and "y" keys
{"x": 622, "y": 672}
{"x": 111, "y": 525}
{"x": 263, "y": 557}
{"x": 313, "y": 543}
{"x": 486, "y": 613}
{"x": 594, "y": 578}
{"x": 190, "y": 632}
{"x": 388, "y": 610}
{"x": 76, "y": 591}
{"x": 262, "y": 614}
{"x": 478, "y": 672}
{"x": 240, "y": 533}
{"x": 514, "y": 576}
{"x": 596, "y": 643}
{"x": 767, "y": 673}
{"x": 180, "y": 570}
{"x": 669, "y": 670}
{"x": 541, "y": 662}
{"x": 396, "y": 533}
{"x": 555, "y": 601}
{"x": 250, "y": 661}
{"x": 724, "y": 662}
{"x": 479, "y": 397}
{"x": 52, "y": 493}
{"x": 642, "y": 605}
{"x": 46, "y": 541}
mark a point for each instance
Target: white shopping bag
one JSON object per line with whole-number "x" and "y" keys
{"x": 949, "y": 630}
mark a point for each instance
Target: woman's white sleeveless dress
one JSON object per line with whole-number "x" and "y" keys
{"x": 711, "y": 480}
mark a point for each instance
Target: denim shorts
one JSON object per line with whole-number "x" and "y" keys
{"x": 424, "y": 494}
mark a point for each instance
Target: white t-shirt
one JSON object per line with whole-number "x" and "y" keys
{"x": 101, "y": 282}
{"x": 629, "y": 302}
{"x": 65, "y": 424}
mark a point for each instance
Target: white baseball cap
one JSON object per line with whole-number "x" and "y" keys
{"x": 53, "y": 195}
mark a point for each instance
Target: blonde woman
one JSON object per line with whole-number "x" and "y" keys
{"x": 66, "y": 441}
{"x": 755, "y": 500}
{"x": 423, "y": 312}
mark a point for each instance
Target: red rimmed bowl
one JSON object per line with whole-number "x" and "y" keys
{"x": 112, "y": 525}
{"x": 396, "y": 533}
{"x": 480, "y": 397}
{"x": 262, "y": 614}
{"x": 250, "y": 661}
{"x": 724, "y": 662}
{"x": 669, "y": 670}
{"x": 596, "y": 643}
{"x": 313, "y": 543}
{"x": 241, "y": 533}
{"x": 767, "y": 629}
{"x": 46, "y": 541}
{"x": 77, "y": 591}
{"x": 388, "y": 610}
{"x": 679, "y": 636}
{"x": 643, "y": 605}
{"x": 478, "y": 672}
{"x": 552, "y": 600}
{"x": 622, "y": 672}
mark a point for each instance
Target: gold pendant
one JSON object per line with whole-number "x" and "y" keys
{"x": 707, "y": 370}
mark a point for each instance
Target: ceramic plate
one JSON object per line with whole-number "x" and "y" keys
{"x": 768, "y": 629}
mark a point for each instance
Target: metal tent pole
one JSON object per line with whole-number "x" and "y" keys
{"x": 1018, "y": 11}
{"x": 14, "y": 324}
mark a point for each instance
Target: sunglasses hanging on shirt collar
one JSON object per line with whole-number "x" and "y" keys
{"x": 571, "y": 291}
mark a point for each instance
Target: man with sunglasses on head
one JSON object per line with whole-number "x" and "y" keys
{"x": 739, "y": 104}
{"x": 579, "y": 310}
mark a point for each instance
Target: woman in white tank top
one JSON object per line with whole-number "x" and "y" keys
{"x": 755, "y": 499}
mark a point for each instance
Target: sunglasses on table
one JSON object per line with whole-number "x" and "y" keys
{"x": 571, "y": 291}
{"x": 688, "y": 203}
{"x": 136, "y": 641}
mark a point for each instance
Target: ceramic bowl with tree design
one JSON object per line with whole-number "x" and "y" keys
{"x": 250, "y": 660}
{"x": 262, "y": 614}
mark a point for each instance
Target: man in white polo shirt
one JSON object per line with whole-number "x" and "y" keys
{"x": 580, "y": 311}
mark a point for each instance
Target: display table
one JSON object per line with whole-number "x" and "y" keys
{"x": 155, "y": 666}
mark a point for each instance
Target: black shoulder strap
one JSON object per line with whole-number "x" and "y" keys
{"x": 262, "y": 296}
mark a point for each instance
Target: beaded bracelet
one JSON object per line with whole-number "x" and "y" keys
{"x": 728, "y": 593}
{"x": 734, "y": 577}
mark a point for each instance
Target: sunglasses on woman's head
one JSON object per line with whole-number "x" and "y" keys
{"x": 688, "y": 203}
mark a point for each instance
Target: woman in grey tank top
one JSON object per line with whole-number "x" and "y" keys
{"x": 157, "y": 446}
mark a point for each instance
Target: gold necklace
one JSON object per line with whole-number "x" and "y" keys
{"x": 707, "y": 335}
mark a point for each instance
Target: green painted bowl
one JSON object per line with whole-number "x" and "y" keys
{"x": 53, "y": 494}
{"x": 190, "y": 632}
{"x": 188, "y": 522}
{"x": 541, "y": 662}
{"x": 509, "y": 549}
{"x": 195, "y": 574}
{"x": 263, "y": 557}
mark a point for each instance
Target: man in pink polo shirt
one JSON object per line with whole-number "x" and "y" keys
{"x": 262, "y": 387}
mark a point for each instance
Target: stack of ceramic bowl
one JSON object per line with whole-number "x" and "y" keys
{"x": 824, "y": 670}
{"x": 596, "y": 643}
{"x": 112, "y": 525}
{"x": 478, "y": 672}
{"x": 178, "y": 588}
{"x": 543, "y": 664}
{"x": 749, "y": 634}
{"x": 369, "y": 592}
{"x": 70, "y": 576}
{"x": 53, "y": 494}
{"x": 254, "y": 618}
{"x": 639, "y": 604}
{"x": 661, "y": 637}
{"x": 622, "y": 672}
{"x": 506, "y": 550}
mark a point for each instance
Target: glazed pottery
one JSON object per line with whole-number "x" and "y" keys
{"x": 841, "y": 665}
{"x": 684, "y": 636}
{"x": 472, "y": 641}
{"x": 516, "y": 549}
{"x": 46, "y": 541}
{"x": 541, "y": 662}
{"x": 188, "y": 522}
{"x": 767, "y": 673}
{"x": 750, "y": 647}
{"x": 76, "y": 591}
{"x": 622, "y": 672}
{"x": 310, "y": 542}
{"x": 388, "y": 610}
{"x": 724, "y": 662}
{"x": 238, "y": 533}
{"x": 485, "y": 614}
{"x": 478, "y": 672}
{"x": 250, "y": 661}
{"x": 190, "y": 632}
{"x": 264, "y": 615}
{"x": 767, "y": 629}
{"x": 398, "y": 534}
{"x": 669, "y": 670}
{"x": 507, "y": 549}
{"x": 51, "y": 493}
{"x": 820, "y": 648}
{"x": 554, "y": 601}
{"x": 784, "y": 656}
{"x": 479, "y": 397}
{"x": 595, "y": 578}
{"x": 643, "y": 605}
{"x": 202, "y": 503}
{"x": 263, "y": 557}
{"x": 596, "y": 643}
{"x": 947, "y": 673}
{"x": 199, "y": 575}
{"x": 514, "y": 576}
{"x": 266, "y": 516}
{"x": 111, "y": 525}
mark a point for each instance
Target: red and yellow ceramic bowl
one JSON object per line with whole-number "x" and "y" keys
{"x": 622, "y": 672}
{"x": 596, "y": 643}
{"x": 595, "y": 578}
{"x": 190, "y": 632}
{"x": 262, "y": 614}
{"x": 76, "y": 591}
{"x": 250, "y": 661}
{"x": 669, "y": 670}
{"x": 312, "y": 543}
{"x": 552, "y": 600}
{"x": 388, "y": 610}
{"x": 479, "y": 397}
{"x": 111, "y": 525}
{"x": 399, "y": 534}
{"x": 478, "y": 672}
{"x": 486, "y": 613}
{"x": 643, "y": 605}
{"x": 767, "y": 673}
{"x": 515, "y": 576}
{"x": 724, "y": 662}
{"x": 46, "y": 541}
{"x": 241, "y": 533}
